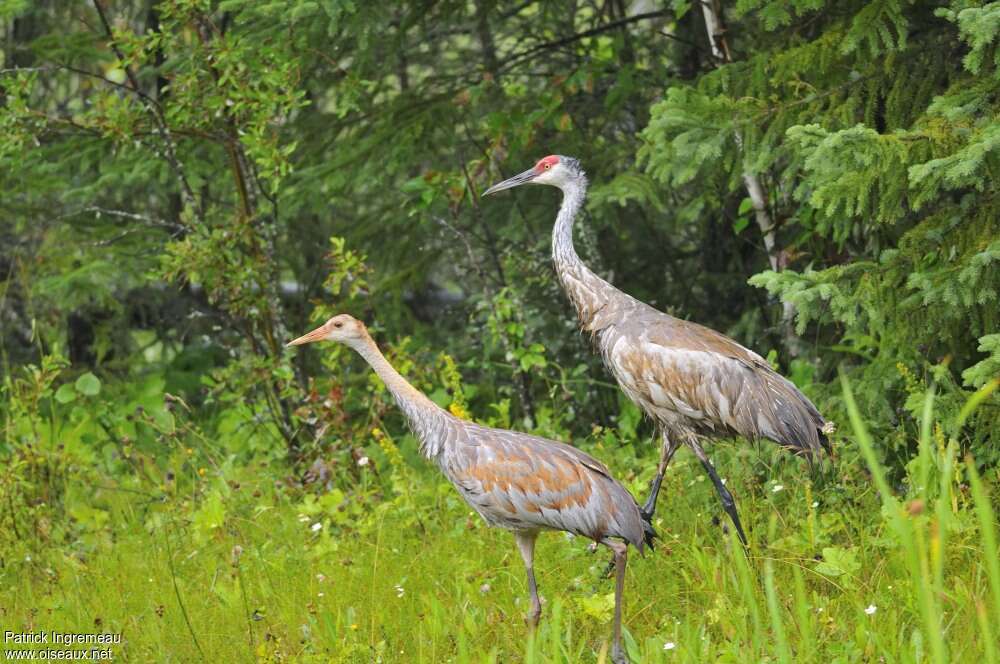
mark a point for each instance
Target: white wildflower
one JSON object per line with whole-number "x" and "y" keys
{"x": 669, "y": 645}
{"x": 871, "y": 609}
{"x": 815, "y": 503}
{"x": 316, "y": 527}
{"x": 400, "y": 591}
{"x": 363, "y": 461}
{"x": 777, "y": 487}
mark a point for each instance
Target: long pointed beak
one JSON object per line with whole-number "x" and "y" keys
{"x": 309, "y": 337}
{"x": 515, "y": 181}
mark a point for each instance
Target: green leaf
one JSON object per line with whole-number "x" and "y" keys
{"x": 599, "y": 607}
{"x": 66, "y": 393}
{"x": 837, "y": 562}
{"x": 88, "y": 385}
{"x": 211, "y": 515}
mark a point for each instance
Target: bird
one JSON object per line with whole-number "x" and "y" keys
{"x": 516, "y": 481}
{"x": 694, "y": 383}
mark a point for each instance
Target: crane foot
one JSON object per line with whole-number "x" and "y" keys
{"x": 609, "y": 570}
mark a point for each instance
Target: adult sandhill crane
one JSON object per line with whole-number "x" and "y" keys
{"x": 515, "y": 481}
{"x": 692, "y": 381}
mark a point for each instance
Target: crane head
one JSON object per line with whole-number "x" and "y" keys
{"x": 554, "y": 170}
{"x": 342, "y": 328}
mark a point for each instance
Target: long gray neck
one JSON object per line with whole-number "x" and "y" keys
{"x": 427, "y": 420}
{"x": 587, "y": 291}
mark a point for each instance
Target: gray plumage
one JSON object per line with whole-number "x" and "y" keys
{"x": 515, "y": 481}
{"x": 692, "y": 381}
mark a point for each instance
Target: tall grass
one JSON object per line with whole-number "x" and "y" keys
{"x": 848, "y": 569}
{"x": 924, "y": 540}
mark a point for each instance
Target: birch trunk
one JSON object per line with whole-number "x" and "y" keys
{"x": 758, "y": 198}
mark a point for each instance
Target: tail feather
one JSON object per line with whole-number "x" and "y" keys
{"x": 791, "y": 420}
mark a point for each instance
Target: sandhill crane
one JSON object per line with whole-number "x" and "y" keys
{"x": 690, "y": 380}
{"x": 515, "y": 481}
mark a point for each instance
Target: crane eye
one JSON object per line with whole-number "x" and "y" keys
{"x": 548, "y": 166}
{"x": 338, "y": 325}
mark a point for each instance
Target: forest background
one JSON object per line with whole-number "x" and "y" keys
{"x": 188, "y": 184}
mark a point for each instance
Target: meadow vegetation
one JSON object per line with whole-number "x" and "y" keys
{"x": 195, "y": 548}
{"x": 187, "y": 184}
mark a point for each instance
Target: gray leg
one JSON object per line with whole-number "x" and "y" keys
{"x": 728, "y": 503}
{"x": 666, "y": 454}
{"x": 526, "y": 544}
{"x": 621, "y": 550}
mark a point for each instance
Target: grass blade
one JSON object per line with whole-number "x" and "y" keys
{"x": 910, "y": 537}
{"x": 987, "y": 519}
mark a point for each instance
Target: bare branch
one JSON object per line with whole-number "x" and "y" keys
{"x": 558, "y": 43}
{"x": 20, "y": 70}
{"x": 123, "y": 214}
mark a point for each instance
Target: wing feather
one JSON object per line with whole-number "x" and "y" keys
{"x": 687, "y": 375}
{"x": 519, "y": 481}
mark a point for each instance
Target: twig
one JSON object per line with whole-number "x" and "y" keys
{"x": 19, "y": 70}
{"x": 150, "y": 221}
{"x": 607, "y": 27}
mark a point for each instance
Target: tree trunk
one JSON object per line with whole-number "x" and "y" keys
{"x": 758, "y": 197}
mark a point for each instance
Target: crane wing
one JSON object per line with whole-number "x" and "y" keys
{"x": 524, "y": 482}
{"x": 683, "y": 372}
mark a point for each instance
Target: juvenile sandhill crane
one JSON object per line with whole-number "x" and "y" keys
{"x": 690, "y": 380}
{"x": 515, "y": 481}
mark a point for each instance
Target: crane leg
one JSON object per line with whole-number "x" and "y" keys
{"x": 666, "y": 454}
{"x": 526, "y": 544}
{"x": 621, "y": 552}
{"x": 728, "y": 503}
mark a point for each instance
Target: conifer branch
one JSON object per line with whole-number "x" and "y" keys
{"x": 755, "y": 191}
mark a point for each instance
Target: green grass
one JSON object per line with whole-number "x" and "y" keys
{"x": 222, "y": 574}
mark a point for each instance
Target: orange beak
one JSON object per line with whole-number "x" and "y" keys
{"x": 309, "y": 337}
